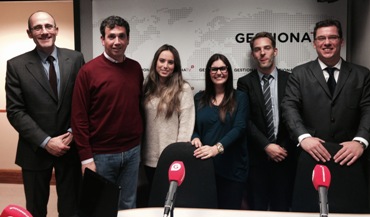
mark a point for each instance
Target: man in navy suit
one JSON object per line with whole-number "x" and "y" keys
{"x": 41, "y": 115}
{"x": 272, "y": 165}
{"x": 327, "y": 111}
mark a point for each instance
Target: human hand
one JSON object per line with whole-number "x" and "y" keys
{"x": 90, "y": 165}
{"x": 349, "y": 153}
{"x": 196, "y": 142}
{"x": 205, "y": 152}
{"x": 276, "y": 152}
{"x": 68, "y": 138}
{"x": 56, "y": 146}
{"x": 314, "y": 147}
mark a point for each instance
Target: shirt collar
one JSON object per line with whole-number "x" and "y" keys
{"x": 44, "y": 56}
{"x": 273, "y": 73}
{"x": 324, "y": 66}
{"x": 111, "y": 59}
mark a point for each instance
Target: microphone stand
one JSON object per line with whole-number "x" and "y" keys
{"x": 172, "y": 211}
{"x": 173, "y": 204}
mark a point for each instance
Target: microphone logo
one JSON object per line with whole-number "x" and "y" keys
{"x": 175, "y": 166}
{"x": 176, "y": 175}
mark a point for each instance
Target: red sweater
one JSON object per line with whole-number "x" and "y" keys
{"x": 106, "y": 115}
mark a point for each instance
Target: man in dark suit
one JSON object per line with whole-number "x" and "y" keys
{"x": 327, "y": 110}
{"x": 40, "y": 112}
{"x": 272, "y": 163}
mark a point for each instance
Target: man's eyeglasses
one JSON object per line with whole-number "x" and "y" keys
{"x": 331, "y": 38}
{"x": 39, "y": 28}
{"x": 214, "y": 70}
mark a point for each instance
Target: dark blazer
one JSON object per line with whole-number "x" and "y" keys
{"x": 270, "y": 183}
{"x": 251, "y": 84}
{"x": 32, "y": 108}
{"x": 308, "y": 107}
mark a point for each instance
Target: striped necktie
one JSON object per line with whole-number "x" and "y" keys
{"x": 268, "y": 107}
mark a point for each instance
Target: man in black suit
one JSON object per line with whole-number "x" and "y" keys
{"x": 327, "y": 110}
{"x": 272, "y": 163}
{"x": 39, "y": 108}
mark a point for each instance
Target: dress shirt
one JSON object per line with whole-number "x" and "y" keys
{"x": 46, "y": 65}
{"x": 274, "y": 97}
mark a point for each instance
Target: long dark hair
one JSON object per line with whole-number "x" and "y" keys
{"x": 169, "y": 96}
{"x": 227, "y": 104}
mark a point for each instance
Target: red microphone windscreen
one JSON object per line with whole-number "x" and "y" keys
{"x": 321, "y": 176}
{"x": 176, "y": 172}
{"x": 15, "y": 211}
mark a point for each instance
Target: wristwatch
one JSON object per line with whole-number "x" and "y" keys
{"x": 220, "y": 148}
{"x": 363, "y": 144}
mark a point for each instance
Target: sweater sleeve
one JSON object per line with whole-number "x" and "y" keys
{"x": 80, "y": 118}
{"x": 240, "y": 121}
{"x": 186, "y": 115}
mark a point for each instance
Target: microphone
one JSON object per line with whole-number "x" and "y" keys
{"x": 321, "y": 181}
{"x": 176, "y": 175}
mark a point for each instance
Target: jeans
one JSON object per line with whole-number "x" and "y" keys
{"x": 122, "y": 169}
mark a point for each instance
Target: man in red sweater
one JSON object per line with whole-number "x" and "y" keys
{"x": 106, "y": 117}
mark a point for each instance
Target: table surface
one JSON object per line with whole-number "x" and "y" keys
{"x": 186, "y": 212}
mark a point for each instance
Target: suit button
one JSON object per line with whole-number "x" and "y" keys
{"x": 332, "y": 120}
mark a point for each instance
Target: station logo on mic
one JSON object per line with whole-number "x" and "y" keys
{"x": 176, "y": 175}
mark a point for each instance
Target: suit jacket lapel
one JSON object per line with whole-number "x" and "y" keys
{"x": 36, "y": 69}
{"x": 317, "y": 72}
{"x": 65, "y": 72}
{"x": 256, "y": 83}
{"x": 343, "y": 76}
{"x": 281, "y": 82}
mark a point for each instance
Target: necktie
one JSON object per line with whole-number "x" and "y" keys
{"x": 331, "y": 81}
{"x": 52, "y": 76}
{"x": 268, "y": 106}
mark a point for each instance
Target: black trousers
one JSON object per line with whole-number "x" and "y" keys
{"x": 229, "y": 193}
{"x": 270, "y": 184}
{"x": 37, "y": 188}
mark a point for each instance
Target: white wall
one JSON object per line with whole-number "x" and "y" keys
{"x": 199, "y": 29}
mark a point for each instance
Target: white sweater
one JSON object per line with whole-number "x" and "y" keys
{"x": 159, "y": 132}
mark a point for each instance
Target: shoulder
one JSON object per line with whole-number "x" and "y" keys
{"x": 187, "y": 88}
{"x": 248, "y": 76}
{"x": 92, "y": 63}
{"x": 283, "y": 75}
{"x": 282, "y": 72}
{"x": 25, "y": 56}
{"x": 240, "y": 94}
{"x": 133, "y": 62}
{"x": 355, "y": 67}
{"x": 198, "y": 95}
{"x": 305, "y": 66}
{"x": 241, "y": 99}
{"x": 70, "y": 53}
